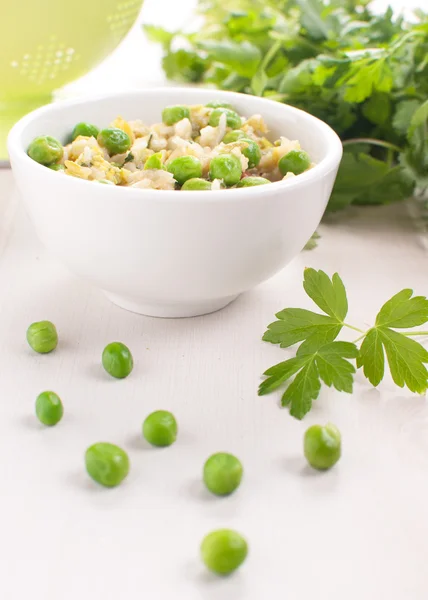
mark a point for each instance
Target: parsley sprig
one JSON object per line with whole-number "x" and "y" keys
{"x": 321, "y": 358}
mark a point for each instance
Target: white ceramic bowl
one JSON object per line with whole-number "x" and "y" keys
{"x": 170, "y": 253}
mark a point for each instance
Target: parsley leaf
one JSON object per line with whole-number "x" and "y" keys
{"x": 405, "y": 357}
{"x": 403, "y": 311}
{"x": 297, "y": 324}
{"x": 329, "y": 295}
{"x": 372, "y": 357}
{"x": 302, "y": 391}
{"x": 403, "y": 115}
{"x": 312, "y": 241}
{"x": 333, "y": 369}
{"x": 313, "y": 364}
{"x": 322, "y": 359}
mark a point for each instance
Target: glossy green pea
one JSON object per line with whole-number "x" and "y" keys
{"x": 223, "y": 551}
{"x": 296, "y": 161}
{"x": 56, "y": 167}
{"x": 252, "y": 152}
{"x": 251, "y": 181}
{"x": 154, "y": 162}
{"x": 117, "y": 360}
{"x": 42, "y": 337}
{"x": 184, "y": 168}
{"x": 232, "y": 118}
{"x": 107, "y": 464}
{"x": 85, "y": 129}
{"x": 215, "y": 104}
{"x": 322, "y": 446}
{"x": 173, "y": 114}
{"x": 234, "y": 136}
{"x": 222, "y": 473}
{"x": 45, "y": 150}
{"x": 226, "y": 167}
{"x": 49, "y": 408}
{"x": 196, "y": 184}
{"x": 114, "y": 140}
{"x": 160, "y": 428}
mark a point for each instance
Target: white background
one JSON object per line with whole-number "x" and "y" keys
{"x": 357, "y": 532}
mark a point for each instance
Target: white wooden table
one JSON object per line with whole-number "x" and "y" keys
{"x": 357, "y": 532}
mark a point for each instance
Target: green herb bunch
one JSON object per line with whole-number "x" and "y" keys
{"x": 321, "y": 358}
{"x": 363, "y": 73}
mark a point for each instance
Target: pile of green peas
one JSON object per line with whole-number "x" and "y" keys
{"x": 223, "y": 550}
{"x": 186, "y": 170}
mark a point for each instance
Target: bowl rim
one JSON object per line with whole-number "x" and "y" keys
{"x": 326, "y": 165}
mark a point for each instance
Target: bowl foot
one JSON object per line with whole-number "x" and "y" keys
{"x": 171, "y": 311}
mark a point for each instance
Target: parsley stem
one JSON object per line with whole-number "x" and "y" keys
{"x": 373, "y": 142}
{"x": 413, "y": 333}
{"x": 354, "y": 328}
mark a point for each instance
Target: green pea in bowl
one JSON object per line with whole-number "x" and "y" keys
{"x": 170, "y": 252}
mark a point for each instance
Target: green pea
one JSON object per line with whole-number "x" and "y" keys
{"x": 234, "y": 136}
{"x": 49, "y": 409}
{"x": 250, "y": 181}
{"x": 173, "y": 114}
{"x": 117, "y": 360}
{"x": 56, "y": 167}
{"x": 45, "y": 150}
{"x": 222, "y": 473}
{"x": 107, "y": 464}
{"x": 232, "y": 118}
{"x": 85, "y": 129}
{"x": 160, "y": 428}
{"x": 296, "y": 161}
{"x": 215, "y": 104}
{"x": 196, "y": 184}
{"x": 154, "y": 162}
{"x": 114, "y": 140}
{"x": 42, "y": 337}
{"x": 223, "y": 551}
{"x": 184, "y": 168}
{"x": 226, "y": 167}
{"x": 252, "y": 152}
{"x": 322, "y": 446}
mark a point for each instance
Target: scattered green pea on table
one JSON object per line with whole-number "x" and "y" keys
{"x": 107, "y": 464}
{"x": 222, "y": 473}
{"x": 117, "y": 360}
{"x": 45, "y": 150}
{"x": 322, "y": 446}
{"x": 49, "y": 408}
{"x": 223, "y": 551}
{"x": 160, "y": 428}
{"x": 42, "y": 337}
